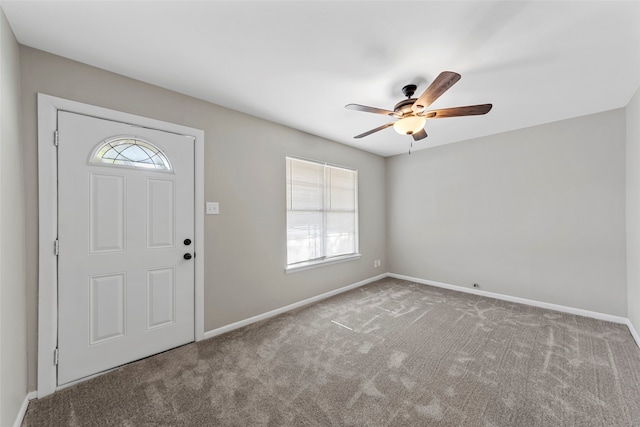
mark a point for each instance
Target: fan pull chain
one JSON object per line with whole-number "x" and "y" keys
{"x": 410, "y": 147}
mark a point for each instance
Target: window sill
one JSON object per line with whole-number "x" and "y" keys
{"x": 313, "y": 264}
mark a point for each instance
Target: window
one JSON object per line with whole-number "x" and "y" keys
{"x": 131, "y": 152}
{"x": 322, "y": 213}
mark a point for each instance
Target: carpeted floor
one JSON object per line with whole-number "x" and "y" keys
{"x": 391, "y": 353}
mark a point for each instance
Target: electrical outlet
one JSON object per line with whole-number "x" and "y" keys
{"x": 377, "y": 263}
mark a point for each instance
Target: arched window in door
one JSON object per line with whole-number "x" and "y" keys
{"x": 131, "y": 152}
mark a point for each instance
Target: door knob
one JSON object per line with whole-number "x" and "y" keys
{"x": 187, "y": 256}
{"x": 187, "y": 242}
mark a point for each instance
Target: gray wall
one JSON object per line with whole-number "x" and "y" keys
{"x": 537, "y": 213}
{"x": 245, "y": 245}
{"x": 633, "y": 210}
{"x": 13, "y": 330}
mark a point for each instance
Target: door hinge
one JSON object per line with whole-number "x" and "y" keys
{"x": 56, "y": 356}
{"x": 56, "y": 138}
{"x": 56, "y": 247}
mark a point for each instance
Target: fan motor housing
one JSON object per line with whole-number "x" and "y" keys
{"x": 404, "y": 107}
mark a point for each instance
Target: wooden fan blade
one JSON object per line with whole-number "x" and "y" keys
{"x": 440, "y": 85}
{"x": 471, "y": 110}
{"x": 374, "y": 130}
{"x": 419, "y": 135}
{"x": 375, "y": 110}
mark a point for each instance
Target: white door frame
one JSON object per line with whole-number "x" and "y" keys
{"x": 48, "y": 107}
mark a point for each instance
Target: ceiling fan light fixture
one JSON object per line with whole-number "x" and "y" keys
{"x": 412, "y": 112}
{"x": 409, "y": 125}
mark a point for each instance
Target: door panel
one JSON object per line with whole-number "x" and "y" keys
{"x": 107, "y": 307}
{"x": 106, "y": 213}
{"x": 160, "y": 214}
{"x": 125, "y": 290}
{"x": 160, "y": 297}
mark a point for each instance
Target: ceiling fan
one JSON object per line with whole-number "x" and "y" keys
{"x": 412, "y": 113}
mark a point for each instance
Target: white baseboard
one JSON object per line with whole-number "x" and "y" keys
{"x": 633, "y": 331}
{"x": 525, "y": 301}
{"x": 549, "y": 306}
{"x": 250, "y": 320}
{"x": 23, "y": 408}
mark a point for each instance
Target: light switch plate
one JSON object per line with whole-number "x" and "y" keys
{"x": 212, "y": 208}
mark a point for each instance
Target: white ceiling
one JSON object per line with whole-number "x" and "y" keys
{"x": 299, "y": 62}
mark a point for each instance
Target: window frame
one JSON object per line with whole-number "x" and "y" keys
{"x": 318, "y": 262}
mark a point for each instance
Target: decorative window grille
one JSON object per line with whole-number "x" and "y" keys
{"x": 131, "y": 152}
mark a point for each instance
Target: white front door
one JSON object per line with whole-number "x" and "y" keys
{"x": 125, "y": 231}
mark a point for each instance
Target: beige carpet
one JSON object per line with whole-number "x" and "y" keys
{"x": 391, "y": 353}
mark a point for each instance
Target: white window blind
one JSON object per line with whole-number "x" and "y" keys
{"x": 322, "y": 211}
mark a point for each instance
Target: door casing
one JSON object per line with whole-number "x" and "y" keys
{"x": 48, "y": 107}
